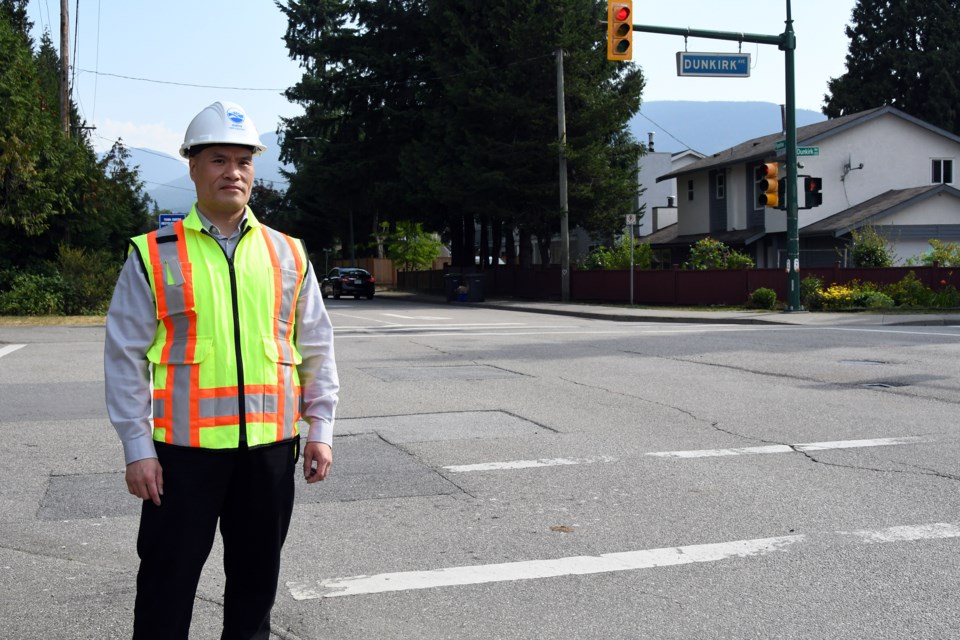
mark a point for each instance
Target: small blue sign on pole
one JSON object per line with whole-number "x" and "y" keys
{"x": 713, "y": 65}
{"x": 167, "y": 219}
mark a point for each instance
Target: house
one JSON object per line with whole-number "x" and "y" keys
{"x": 881, "y": 168}
{"x": 658, "y": 199}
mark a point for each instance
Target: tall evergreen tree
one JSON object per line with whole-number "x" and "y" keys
{"x": 53, "y": 192}
{"x": 903, "y": 53}
{"x": 445, "y": 112}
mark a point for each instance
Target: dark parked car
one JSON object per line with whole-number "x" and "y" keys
{"x": 347, "y": 281}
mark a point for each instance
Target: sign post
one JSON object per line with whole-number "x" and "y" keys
{"x": 631, "y": 223}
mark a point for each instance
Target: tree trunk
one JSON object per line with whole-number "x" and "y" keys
{"x": 526, "y": 249}
{"x": 497, "y": 233}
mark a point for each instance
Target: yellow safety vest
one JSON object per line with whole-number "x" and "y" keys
{"x": 223, "y": 356}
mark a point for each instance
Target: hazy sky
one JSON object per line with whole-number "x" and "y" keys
{"x": 234, "y": 51}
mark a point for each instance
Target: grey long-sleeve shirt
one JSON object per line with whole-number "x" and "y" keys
{"x": 132, "y": 324}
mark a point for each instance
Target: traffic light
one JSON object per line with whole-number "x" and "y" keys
{"x": 812, "y": 197}
{"x": 767, "y": 185}
{"x": 619, "y": 30}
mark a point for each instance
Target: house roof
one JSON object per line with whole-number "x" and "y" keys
{"x": 764, "y": 147}
{"x": 875, "y": 209}
{"x": 669, "y": 237}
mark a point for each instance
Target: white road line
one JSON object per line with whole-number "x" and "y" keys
{"x": 10, "y": 348}
{"x": 526, "y": 464}
{"x": 400, "y": 327}
{"x": 462, "y": 334}
{"x": 903, "y": 331}
{"x": 934, "y": 531}
{"x": 397, "y": 315}
{"x": 533, "y": 569}
{"x": 606, "y": 563}
{"x": 783, "y": 448}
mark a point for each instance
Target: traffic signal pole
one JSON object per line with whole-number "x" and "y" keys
{"x": 786, "y": 42}
{"x": 788, "y": 46}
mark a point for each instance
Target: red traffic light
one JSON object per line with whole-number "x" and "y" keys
{"x": 619, "y": 30}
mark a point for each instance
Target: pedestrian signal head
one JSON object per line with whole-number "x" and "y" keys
{"x": 812, "y": 196}
{"x": 619, "y": 30}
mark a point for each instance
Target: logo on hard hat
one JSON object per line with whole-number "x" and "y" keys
{"x": 235, "y": 116}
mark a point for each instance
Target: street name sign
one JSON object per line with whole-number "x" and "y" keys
{"x": 780, "y": 145}
{"x": 166, "y": 219}
{"x": 713, "y": 65}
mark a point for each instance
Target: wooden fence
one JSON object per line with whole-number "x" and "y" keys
{"x": 669, "y": 287}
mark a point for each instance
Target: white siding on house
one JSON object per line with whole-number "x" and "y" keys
{"x": 652, "y": 166}
{"x": 696, "y": 212}
{"x": 895, "y": 153}
{"x": 939, "y": 209}
{"x": 736, "y": 198}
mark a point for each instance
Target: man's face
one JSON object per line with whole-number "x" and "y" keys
{"x": 223, "y": 175}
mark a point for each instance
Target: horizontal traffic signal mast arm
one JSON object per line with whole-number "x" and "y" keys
{"x": 782, "y": 41}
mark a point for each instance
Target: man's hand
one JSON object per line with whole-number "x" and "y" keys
{"x": 317, "y": 458}
{"x": 145, "y": 479}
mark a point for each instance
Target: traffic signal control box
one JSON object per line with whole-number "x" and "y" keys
{"x": 619, "y": 30}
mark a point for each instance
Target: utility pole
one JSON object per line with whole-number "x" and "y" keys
{"x": 65, "y": 67}
{"x": 564, "y": 217}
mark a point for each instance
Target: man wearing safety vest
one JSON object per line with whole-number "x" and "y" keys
{"x": 217, "y": 344}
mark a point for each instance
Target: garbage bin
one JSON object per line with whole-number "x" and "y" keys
{"x": 463, "y": 287}
{"x": 474, "y": 282}
{"x": 451, "y": 283}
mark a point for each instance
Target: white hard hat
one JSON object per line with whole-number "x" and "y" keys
{"x": 222, "y": 123}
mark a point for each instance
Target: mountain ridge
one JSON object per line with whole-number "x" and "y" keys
{"x": 706, "y": 127}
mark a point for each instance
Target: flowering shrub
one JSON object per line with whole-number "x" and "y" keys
{"x": 837, "y": 296}
{"x": 908, "y": 293}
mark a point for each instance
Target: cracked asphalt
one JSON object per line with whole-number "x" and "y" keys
{"x": 484, "y": 440}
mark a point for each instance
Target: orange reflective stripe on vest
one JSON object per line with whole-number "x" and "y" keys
{"x": 224, "y": 356}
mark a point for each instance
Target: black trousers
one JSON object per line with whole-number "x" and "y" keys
{"x": 250, "y": 492}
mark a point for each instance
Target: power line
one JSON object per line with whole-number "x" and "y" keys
{"x": 349, "y": 86}
{"x": 179, "y": 84}
{"x": 645, "y": 116}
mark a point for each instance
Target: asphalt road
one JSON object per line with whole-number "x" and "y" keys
{"x": 502, "y": 474}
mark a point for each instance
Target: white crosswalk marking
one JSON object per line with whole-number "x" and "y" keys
{"x": 784, "y": 448}
{"x": 10, "y": 348}
{"x": 606, "y": 563}
{"x": 578, "y": 565}
{"x": 526, "y": 464}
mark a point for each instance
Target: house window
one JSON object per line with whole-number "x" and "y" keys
{"x": 689, "y": 189}
{"x": 721, "y": 186}
{"x": 942, "y": 172}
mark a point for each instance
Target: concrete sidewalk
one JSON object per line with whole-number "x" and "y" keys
{"x": 625, "y": 313}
